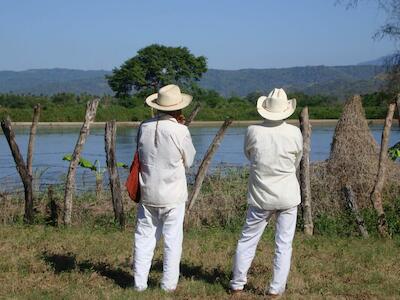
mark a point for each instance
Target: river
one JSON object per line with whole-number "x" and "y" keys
{"x": 52, "y": 143}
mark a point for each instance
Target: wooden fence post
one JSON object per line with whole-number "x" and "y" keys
{"x": 352, "y": 204}
{"x": 305, "y": 184}
{"x": 376, "y": 195}
{"x": 193, "y": 114}
{"x": 91, "y": 109}
{"x": 21, "y": 167}
{"x": 99, "y": 185}
{"x": 398, "y": 107}
{"x": 110, "y": 136}
{"x": 201, "y": 173}
{"x": 32, "y": 136}
{"x": 52, "y": 207}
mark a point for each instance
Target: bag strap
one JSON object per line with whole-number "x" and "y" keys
{"x": 138, "y": 135}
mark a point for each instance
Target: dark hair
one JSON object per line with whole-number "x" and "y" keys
{"x": 170, "y": 112}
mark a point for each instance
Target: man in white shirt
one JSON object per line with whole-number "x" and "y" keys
{"x": 274, "y": 150}
{"x": 165, "y": 151}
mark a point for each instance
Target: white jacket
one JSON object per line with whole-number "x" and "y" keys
{"x": 162, "y": 166}
{"x": 274, "y": 150}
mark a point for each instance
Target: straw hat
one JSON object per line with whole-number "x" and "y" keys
{"x": 169, "y": 98}
{"x": 276, "y": 106}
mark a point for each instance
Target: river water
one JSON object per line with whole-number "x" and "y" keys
{"x": 52, "y": 143}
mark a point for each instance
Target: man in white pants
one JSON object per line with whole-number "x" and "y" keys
{"x": 274, "y": 149}
{"x": 165, "y": 150}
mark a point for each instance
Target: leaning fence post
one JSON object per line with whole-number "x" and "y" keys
{"x": 352, "y": 204}
{"x": 376, "y": 195}
{"x": 201, "y": 173}
{"x": 91, "y": 109}
{"x": 305, "y": 184}
{"x": 193, "y": 114}
{"x": 32, "y": 136}
{"x": 398, "y": 107}
{"x": 21, "y": 167}
{"x": 110, "y": 136}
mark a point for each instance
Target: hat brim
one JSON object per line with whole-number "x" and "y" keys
{"x": 275, "y": 116}
{"x": 152, "y": 102}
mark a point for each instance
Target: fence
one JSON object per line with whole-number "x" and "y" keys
{"x": 53, "y": 174}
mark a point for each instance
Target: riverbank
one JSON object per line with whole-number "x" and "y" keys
{"x": 193, "y": 124}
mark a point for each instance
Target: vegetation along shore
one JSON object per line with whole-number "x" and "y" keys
{"x": 71, "y": 108}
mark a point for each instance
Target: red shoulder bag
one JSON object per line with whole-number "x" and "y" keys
{"x": 132, "y": 182}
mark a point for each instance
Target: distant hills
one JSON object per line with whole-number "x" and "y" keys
{"x": 338, "y": 80}
{"x": 51, "y": 81}
{"x": 381, "y": 61}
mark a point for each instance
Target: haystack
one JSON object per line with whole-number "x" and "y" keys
{"x": 353, "y": 161}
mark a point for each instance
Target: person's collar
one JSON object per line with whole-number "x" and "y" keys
{"x": 165, "y": 116}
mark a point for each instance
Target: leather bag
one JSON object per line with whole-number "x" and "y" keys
{"x": 132, "y": 182}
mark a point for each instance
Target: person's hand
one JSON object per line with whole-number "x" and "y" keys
{"x": 181, "y": 119}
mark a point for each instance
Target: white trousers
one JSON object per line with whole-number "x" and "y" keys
{"x": 256, "y": 221}
{"x": 152, "y": 222}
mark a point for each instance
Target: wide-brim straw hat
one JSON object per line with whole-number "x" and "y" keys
{"x": 169, "y": 98}
{"x": 276, "y": 106}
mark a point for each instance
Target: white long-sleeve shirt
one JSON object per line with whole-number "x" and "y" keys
{"x": 274, "y": 150}
{"x": 162, "y": 166}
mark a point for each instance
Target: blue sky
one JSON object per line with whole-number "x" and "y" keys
{"x": 232, "y": 34}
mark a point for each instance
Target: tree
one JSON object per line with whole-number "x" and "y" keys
{"x": 155, "y": 66}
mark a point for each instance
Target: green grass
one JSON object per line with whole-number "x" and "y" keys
{"x": 42, "y": 262}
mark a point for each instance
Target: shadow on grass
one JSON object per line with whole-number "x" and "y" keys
{"x": 190, "y": 271}
{"x": 67, "y": 263}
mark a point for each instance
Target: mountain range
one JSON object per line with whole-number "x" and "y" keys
{"x": 339, "y": 81}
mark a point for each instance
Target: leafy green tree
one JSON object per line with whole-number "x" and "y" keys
{"x": 155, "y": 66}
{"x": 210, "y": 97}
{"x": 253, "y": 96}
{"x": 376, "y": 99}
{"x": 64, "y": 99}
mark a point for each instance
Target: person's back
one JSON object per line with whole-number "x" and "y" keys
{"x": 165, "y": 149}
{"x": 274, "y": 150}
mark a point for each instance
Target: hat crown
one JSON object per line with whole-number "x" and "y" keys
{"x": 169, "y": 95}
{"x": 277, "y": 101}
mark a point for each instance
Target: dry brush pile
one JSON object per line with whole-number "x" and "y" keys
{"x": 353, "y": 161}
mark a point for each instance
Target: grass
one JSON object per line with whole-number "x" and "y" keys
{"x": 43, "y": 262}
{"x": 92, "y": 259}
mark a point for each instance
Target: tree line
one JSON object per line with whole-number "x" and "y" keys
{"x": 67, "y": 107}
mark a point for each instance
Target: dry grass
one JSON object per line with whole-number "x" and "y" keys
{"x": 222, "y": 202}
{"x": 42, "y": 262}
